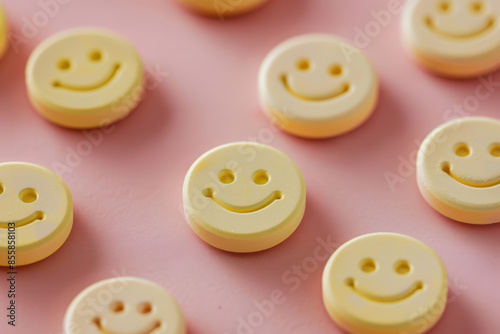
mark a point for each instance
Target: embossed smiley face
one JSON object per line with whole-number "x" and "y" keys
{"x": 400, "y": 267}
{"x": 37, "y": 204}
{"x": 124, "y": 305}
{"x": 244, "y": 197}
{"x": 317, "y": 86}
{"x": 457, "y": 38}
{"x": 84, "y": 78}
{"x": 458, "y": 170}
{"x": 317, "y": 79}
{"x": 384, "y": 281}
{"x": 476, "y": 18}
{"x": 110, "y": 321}
{"x": 259, "y": 177}
{"x": 454, "y": 21}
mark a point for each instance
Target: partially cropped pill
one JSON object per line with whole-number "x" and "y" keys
{"x": 36, "y": 213}
{"x": 124, "y": 305}
{"x": 453, "y": 38}
{"x": 223, "y": 8}
{"x": 385, "y": 283}
{"x": 458, "y": 170}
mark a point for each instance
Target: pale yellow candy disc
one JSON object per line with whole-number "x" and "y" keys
{"x": 385, "y": 283}
{"x": 36, "y": 213}
{"x": 224, "y": 8}
{"x": 317, "y": 86}
{"x": 458, "y": 170}
{"x": 84, "y": 78}
{"x": 455, "y": 38}
{"x": 3, "y": 32}
{"x": 124, "y": 305}
{"x": 244, "y": 197}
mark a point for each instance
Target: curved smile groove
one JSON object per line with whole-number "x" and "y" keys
{"x": 345, "y": 88}
{"x": 489, "y": 25}
{"x": 413, "y": 289}
{"x": 447, "y": 169}
{"x": 97, "y": 322}
{"x": 274, "y": 196}
{"x": 37, "y": 215}
{"x": 116, "y": 68}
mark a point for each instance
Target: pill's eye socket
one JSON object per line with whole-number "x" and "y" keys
{"x": 64, "y": 64}
{"x": 28, "y": 195}
{"x": 260, "y": 177}
{"x": 2, "y": 189}
{"x": 477, "y": 7}
{"x": 368, "y": 265}
{"x": 96, "y": 56}
{"x": 226, "y": 176}
{"x": 117, "y": 306}
{"x": 462, "y": 150}
{"x": 350, "y": 282}
{"x": 494, "y": 151}
{"x": 208, "y": 192}
{"x": 145, "y": 308}
{"x": 402, "y": 267}
{"x": 303, "y": 65}
{"x": 336, "y": 70}
{"x": 444, "y": 7}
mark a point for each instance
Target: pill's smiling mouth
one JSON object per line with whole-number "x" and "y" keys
{"x": 447, "y": 169}
{"x": 34, "y": 217}
{"x": 274, "y": 196}
{"x": 152, "y": 329}
{"x": 345, "y": 89}
{"x": 114, "y": 72}
{"x": 490, "y": 24}
{"x": 408, "y": 293}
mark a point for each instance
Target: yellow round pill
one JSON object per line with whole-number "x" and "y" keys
{"x": 36, "y": 213}
{"x": 317, "y": 86}
{"x": 385, "y": 283}
{"x": 84, "y": 78}
{"x": 124, "y": 305}
{"x": 244, "y": 197}
{"x": 458, "y": 170}
{"x": 454, "y": 38}
{"x": 223, "y": 8}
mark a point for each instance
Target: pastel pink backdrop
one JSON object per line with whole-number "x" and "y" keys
{"x": 127, "y": 191}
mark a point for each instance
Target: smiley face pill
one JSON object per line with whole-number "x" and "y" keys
{"x": 454, "y": 38}
{"x": 124, "y": 305}
{"x": 385, "y": 283}
{"x": 244, "y": 197}
{"x": 223, "y": 8}
{"x": 84, "y": 78}
{"x": 36, "y": 213}
{"x": 458, "y": 170}
{"x": 3, "y": 32}
{"x": 317, "y": 86}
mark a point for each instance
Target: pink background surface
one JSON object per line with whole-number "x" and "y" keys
{"x": 127, "y": 191}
